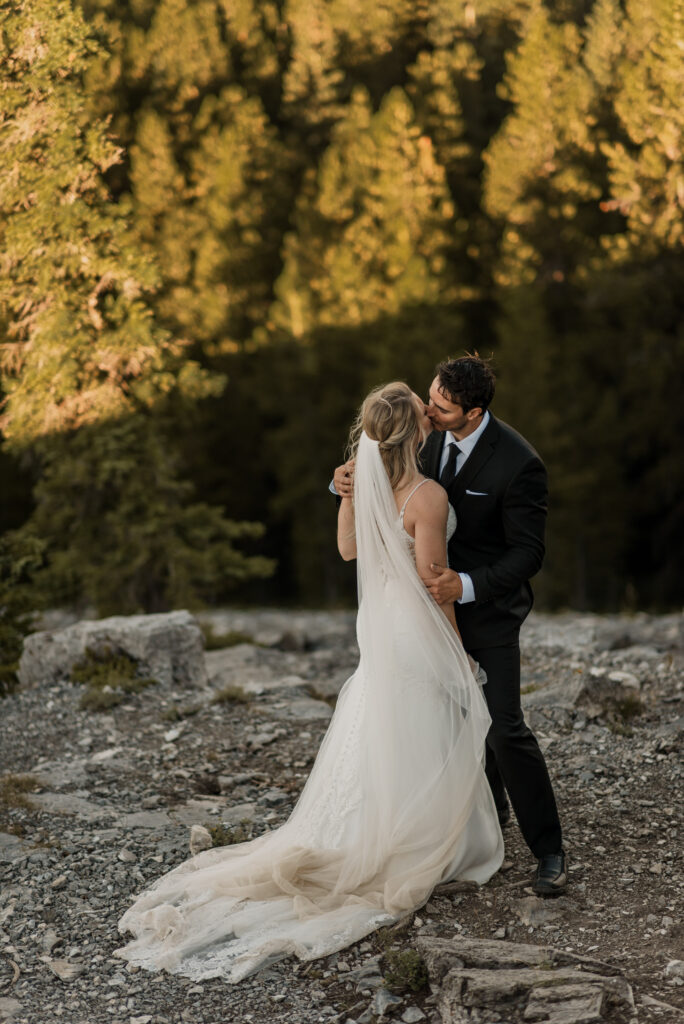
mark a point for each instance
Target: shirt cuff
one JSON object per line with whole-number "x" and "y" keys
{"x": 468, "y": 594}
{"x": 331, "y": 488}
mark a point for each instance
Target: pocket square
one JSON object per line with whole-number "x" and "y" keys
{"x": 477, "y": 494}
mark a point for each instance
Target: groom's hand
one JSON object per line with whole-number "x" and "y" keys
{"x": 446, "y": 586}
{"x": 344, "y": 479}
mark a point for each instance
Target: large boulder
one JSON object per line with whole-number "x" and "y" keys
{"x": 167, "y": 647}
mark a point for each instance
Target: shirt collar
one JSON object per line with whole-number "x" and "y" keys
{"x": 468, "y": 443}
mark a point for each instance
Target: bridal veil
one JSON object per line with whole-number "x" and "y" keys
{"x": 396, "y": 803}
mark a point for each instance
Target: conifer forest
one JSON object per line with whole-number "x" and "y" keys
{"x": 223, "y": 221}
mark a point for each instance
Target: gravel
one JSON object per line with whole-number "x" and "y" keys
{"x": 117, "y": 793}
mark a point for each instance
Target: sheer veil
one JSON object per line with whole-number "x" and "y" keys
{"x": 396, "y": 802}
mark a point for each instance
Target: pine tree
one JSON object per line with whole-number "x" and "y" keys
{"x": 642, "y": 283}
{"x": 544, "y": 183}
{"x": 213, "y": 215}
{"x": 314, "y": 90}
{"x": 90, "y": 377}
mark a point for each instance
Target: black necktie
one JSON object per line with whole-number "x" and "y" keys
{"x": 449, "y": 471}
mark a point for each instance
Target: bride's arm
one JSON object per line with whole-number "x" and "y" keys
{"x": 346, "y": 531}
{"x": 430, "y": 532}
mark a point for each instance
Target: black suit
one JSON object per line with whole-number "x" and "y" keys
{"x": 499, "y": 542}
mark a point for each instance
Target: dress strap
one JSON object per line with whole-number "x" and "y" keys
{"x": 403, "y": 507}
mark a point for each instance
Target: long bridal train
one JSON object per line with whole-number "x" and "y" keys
{"x": 396, "y": 803}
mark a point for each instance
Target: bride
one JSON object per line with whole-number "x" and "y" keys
{"x": 397, "y": 801}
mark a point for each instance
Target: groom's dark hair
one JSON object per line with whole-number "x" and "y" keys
{"x": 468, "y": 381}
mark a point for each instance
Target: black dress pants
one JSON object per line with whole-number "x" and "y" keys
{"x": 514, "y": 762}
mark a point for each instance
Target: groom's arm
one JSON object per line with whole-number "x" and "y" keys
{"x": 342, "y": 483}
{"x": 524, "y": 509}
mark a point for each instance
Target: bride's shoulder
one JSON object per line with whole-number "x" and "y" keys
{"x": 431, "y": 499}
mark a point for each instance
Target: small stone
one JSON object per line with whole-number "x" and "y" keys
{"x": 145, "y": 1019}
{"x": 412, "y": 1015}
{"x": 343, "y": 966}
{"x": 675, "y": 969}
{"x": 500, "y": 933}
{"x": 148, "y": 803}
{"x": 627, "y": 679}
{"x": 533, "y": 911}
{"x": 127, "y": 856}
{"x": 9, "y": 1008}
{"x": 200, "y": 839}
{"x": 59, "y": 882}
{"x": 50, "y": 940}
{"x": 382, "y": 1000}
{"x": 656, "y": 868}
{"x": 172, "y": 734}
{"x": 66, "y": 970}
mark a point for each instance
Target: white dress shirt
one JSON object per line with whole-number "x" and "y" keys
{"x": 466, "y": 446}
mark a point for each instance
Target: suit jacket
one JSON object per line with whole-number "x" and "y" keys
{"x": 500, "y": 500}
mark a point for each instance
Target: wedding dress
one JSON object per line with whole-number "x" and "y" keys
{"x": 396, "y": 803}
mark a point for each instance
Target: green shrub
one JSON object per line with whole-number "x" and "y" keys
{"x": 405, "y": 971}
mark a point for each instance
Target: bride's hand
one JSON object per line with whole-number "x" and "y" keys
{"x": 446, "y": 586}
{"x": 344, "y": 479}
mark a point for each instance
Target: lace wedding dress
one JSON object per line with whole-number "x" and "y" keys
{"x": 396, "y": 802}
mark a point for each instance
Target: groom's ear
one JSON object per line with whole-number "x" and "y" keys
{"x": 475, "y": 413}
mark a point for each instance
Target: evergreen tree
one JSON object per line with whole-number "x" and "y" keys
{"x": 89, "y": 375}
{"x": 544, "y": 183}
{"x": 213, "y": 215}
{"x": 640, "y": 290}
{"x": 314, "y": 90}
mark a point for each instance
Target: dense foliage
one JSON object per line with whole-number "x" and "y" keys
{"x": 223, "y": 221}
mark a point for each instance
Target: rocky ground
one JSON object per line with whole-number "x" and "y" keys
{"x": 94, "y": 805}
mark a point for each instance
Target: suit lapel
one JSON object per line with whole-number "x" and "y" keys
{"x": 479, "y": 456}
{"x": 431, "y": 454}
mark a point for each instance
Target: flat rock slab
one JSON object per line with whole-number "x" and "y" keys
{"x": 199, "y": 811}
{"x": 12, "y": 848}
{"x": 167, "y": 647}
{"x": 71, "y": 803}
{"x": 301, "y": 709}
{"x": 144, "y": 819}
{"x": 522, "y": 983}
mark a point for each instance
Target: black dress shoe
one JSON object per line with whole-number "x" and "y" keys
{"x": 551, "y": 876}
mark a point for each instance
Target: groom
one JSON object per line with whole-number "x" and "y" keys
{"x": 496, "y": 483}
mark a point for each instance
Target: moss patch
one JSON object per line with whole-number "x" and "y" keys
{"x": 231, "y": 694}
{"x": 13, "y": 790}
{"x": 177, "y": 714}
{"x": 229, "y": 835}
{"x": 217, "y": 641}
{"x": 109, "y": 676}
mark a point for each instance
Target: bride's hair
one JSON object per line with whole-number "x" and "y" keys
{"x": 389, "y": 416}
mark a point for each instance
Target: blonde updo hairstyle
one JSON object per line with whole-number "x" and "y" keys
{"x": 389, "y": 416}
